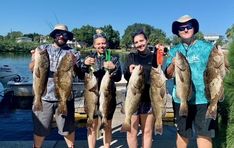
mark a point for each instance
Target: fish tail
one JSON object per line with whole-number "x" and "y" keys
{"x": 37, "y": 106}
{"x": 211, "y": 112}
{"x": 126, "y": 127}
{"x": 183, "y": 109}
{"x": 89, "y": 122}
{"x": 104, "y": 123}
{"x": 158, "y": 128}
{"x": 62, "y": 109}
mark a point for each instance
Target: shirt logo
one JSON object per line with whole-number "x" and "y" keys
{"x": 194, "y": 59}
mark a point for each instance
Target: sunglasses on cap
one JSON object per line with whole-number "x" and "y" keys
{"x": 188, "y": 27}
{"x": 62, "y": 33}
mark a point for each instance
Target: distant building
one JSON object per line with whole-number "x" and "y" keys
{"x": 213, "y": 38}
{"x": 43, "y": 39}
{"x": 23, "y": 39}
{"x": 76, "y": 44}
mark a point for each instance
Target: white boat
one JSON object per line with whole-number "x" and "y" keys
{"x": 24, "y": 88}
{"x": 7, "y": 73}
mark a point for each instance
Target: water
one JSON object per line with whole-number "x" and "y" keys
{"x": 17, "y": 124}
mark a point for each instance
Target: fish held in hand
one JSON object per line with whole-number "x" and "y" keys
{"x": 183, "y": 82}
{"x": 63, "y": 78}
{"x": 158, "y": 97}
{"x": 105, "y": 97}
{"x": 213, "y": 78}
{"x": 40, "y": 76}
{"x": 133, "y": 97}
{"x": 90, "y": 96}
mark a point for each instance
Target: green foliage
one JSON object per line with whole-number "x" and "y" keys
{"x": 199, "y": 36}
{"x": 12, "y": 46}
{"x": 112, "y": 36}
{"x": 85, "y": 34}
{"x": 13, "y": 35}
{"x": 175, "y": 40}
{"x": 229, "y": 99}
{"x": 155, "y": 35}
{"x": 34, "y": 36}
{"x": 230, "y": 32}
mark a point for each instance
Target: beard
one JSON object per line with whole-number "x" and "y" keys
{"x": 60, "y": 41}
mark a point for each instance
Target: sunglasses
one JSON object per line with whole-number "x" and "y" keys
{"x": 188, "y": 27}
{"x": 64, "y": 34}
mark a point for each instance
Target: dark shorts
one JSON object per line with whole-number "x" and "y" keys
{"x": 110, "y": 113}
{"x": 144, "y": 108}
{"x": 42, "y": 119}
{"x": 195, "y": 121}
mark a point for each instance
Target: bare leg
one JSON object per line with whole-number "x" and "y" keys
{"x": 70, "y": 140}
{"x": 147, "y": 122}
{"x": 38, "y": 141}
{"x": 107, "y": 135}
{"x": 132, "y": 136}
{"x": 92, "y": 134}
{"x": 181, "y": 142}
{"x": 203, "y": 141}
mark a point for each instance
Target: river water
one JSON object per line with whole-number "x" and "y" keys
{"x": 16, "y": 124}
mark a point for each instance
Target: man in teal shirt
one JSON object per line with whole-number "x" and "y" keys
{"x": 197, "y": 53}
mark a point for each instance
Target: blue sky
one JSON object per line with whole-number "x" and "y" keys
{"x": 29, "y": 16}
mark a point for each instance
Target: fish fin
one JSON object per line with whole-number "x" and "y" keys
{"x": 104, "y": 124}
{"x": 89, "y": 122}
{"x": 183, "y": 109}
{"x": 62, "y": 109}
{"x": 211, "y": 112}
{"x": 162, "y": 93}
{"x": 37, "y": 106}
{"x": 180, "y": 76}
{"x": 37, "y": 72}
{"x": 222, "y": 95}
{"x": 190, "y": 92}
{"x": 158, "y": 129}
{"x": 126, "y": 127}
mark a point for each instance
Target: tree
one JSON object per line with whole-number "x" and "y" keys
{"x": 13, "y": 35}
{"x": 230, "y": 32}
{"x": 112, "y": 36}
{"x": 157, "y": 35}
{"x": 199, "y": 35}
{"x": 34, "y": 36}
{"x": 1, "y": 38}
{"x": 84, "y": 34}
{"x": 175, "y": 40}
{"x": 227, "y": 122}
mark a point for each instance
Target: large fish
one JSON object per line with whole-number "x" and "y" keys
{"x": 158, "y": 97}
{"x": 183, "y": 82}
{"x": 40, "y": 76}
{"x": 105, "y": 96}
{"x": 63, "y": 79}
{"x": 133, "y": 96}
{"x": 213, "y": 77}
{"x": 90, "y": 96}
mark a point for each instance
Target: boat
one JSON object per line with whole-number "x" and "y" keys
{"x": 24, "y": 88}
{"x": 1, "y": 92}
{"x": 7, "y": 73}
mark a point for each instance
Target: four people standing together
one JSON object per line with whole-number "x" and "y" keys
{"x": 195, "y": 51}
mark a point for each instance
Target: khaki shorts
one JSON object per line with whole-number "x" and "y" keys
{"x": 42, "y": 119}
